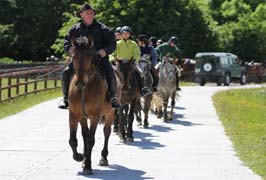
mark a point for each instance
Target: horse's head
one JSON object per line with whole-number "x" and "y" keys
{"x": 126, "y": 68}
{"x": 168, "y": 69}
{"x": 144, "y": 64}
{"x": 83, "y": 55}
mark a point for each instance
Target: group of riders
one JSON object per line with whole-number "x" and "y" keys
{"x": 112, "y": 46}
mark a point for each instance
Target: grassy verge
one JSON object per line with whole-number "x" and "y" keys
{"x": 184, "y": 83}
{"x": 25, "y": 102}
{"x": 243, "y": 113}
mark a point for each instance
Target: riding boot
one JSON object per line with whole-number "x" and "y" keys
{"x": 66, "y": 77}
{"x": 111, "y": 82}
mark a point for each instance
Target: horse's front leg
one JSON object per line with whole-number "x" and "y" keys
{"x": 116, "y": 122}
{"x": 147, "y": 105}
{"x": 107, "y": 131}
{"x": 130, "y": 137}
{"x": 85, "y": 134}
{"x": 172, "y": 105}
{"x": 121, "y": 126}
{"x": 87, "y": 170}
{"x": 165, "y": 102}
{"x": 73, "y": 142}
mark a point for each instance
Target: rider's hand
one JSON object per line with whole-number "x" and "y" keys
{"x": 102, "y": 53}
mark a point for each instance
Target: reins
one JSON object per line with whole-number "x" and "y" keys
{"x": 90, "y": 73}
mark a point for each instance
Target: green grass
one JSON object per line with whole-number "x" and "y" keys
{"x": 7, "y": 60}
{"x": 184, "y": 83}
{"x": 40, "y": 86}
{"x": 243, "y": 114}
{"x": 25, "y": 102}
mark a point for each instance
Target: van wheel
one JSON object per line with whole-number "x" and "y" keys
{"x": 202, "y": 81}
{"x": 243, "y": 79}
{"x": 219, "y": 81}
{"x": 227, "y": 79}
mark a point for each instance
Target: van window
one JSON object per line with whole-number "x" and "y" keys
{"x": 224, "y": 60}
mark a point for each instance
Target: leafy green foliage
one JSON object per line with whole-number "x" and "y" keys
{"x": 35, "y": 29}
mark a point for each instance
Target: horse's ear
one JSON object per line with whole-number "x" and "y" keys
{"x": 90, "y": 41}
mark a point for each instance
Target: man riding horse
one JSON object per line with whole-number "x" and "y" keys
{"x": 170, "y": 49}
{"x": 105, "y": 44}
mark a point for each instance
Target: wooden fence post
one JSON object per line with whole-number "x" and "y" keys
{"x": 17, "y": 86}
{"x": 35, "y": 83}
{"x": 26, "y": 84}
{"x": 45, "y": 82}
{"x": 9, "y": 88}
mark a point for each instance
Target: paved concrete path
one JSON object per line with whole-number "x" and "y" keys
{"x": 34, "y": 146}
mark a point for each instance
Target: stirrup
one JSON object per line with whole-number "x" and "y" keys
{"x": 115, "y": 103}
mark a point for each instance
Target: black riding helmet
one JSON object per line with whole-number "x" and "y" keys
{"x": 126, "y": 29}
{"x": 153, "y": 39}
{"x": 174, "y": 40}
{"x": 142, "y": 37}
{"x": 118, "y": 29}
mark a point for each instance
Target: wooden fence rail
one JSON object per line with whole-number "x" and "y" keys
{"x": 21, "y": 82}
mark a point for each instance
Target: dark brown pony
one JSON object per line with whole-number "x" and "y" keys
{"x": 130, "y": 81}
{"x": 144, "y": 103}
{"x": 88, "y": 100}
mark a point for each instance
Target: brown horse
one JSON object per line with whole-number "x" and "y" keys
{"x": 131, "y": 86}
{"x": 88, "y": 100}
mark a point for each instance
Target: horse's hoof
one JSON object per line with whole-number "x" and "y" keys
{"x": 115, "y": 130}
{"x": 87, "y": 171}
{"x": 104, "y": 162}
{"x": 130, "y": 139}
{"x": 123, "y": 140}
{"x": 139, "y": 123}
{"x": 78, "y": 157}
{"x": 146, "y": 125}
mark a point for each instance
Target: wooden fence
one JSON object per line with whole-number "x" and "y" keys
{"x": 23, "y": 81}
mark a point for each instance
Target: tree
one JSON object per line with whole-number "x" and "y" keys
{"x": 183, "y": 19}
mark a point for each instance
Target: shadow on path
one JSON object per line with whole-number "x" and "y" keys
{"x": 117, "y": 172}
{"x": 144, "y": 141}
{"x": 177, "y": 121}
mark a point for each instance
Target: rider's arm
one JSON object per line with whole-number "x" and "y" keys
{"x": 113, "y": 56}
{"x": 153, "y": 56}
{"x": 158, "y": 52}
{"x": 109, "y": 39}
{"x": 179, "y": 56}
{"x": 136, "y": 51}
